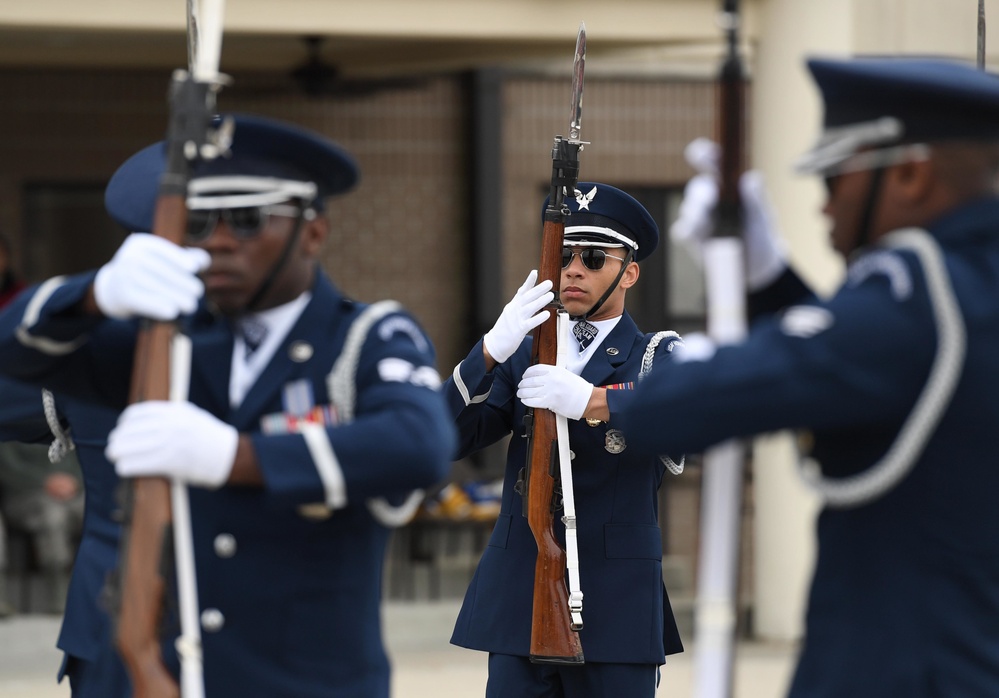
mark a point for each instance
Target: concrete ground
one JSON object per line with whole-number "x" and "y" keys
{"x": 424, "y": 664}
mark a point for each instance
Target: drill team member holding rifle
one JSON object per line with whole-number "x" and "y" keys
{"x": 306, "y": 408}
{"x": 629, "y": 627}
{"x": 893, "y": 381}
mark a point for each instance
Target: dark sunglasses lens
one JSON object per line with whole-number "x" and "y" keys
{"x": 593, "y": 259}
{"x": 200, "y": 224}
{"x": 245, "y": 222}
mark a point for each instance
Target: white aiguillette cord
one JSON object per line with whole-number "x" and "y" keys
{"x": 565, "y": 340}
{"x": 189, "y": 643}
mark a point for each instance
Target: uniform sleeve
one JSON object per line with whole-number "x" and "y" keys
{"x": 22, "y": 417}
{"x": 858, "y": 359}
{"x": 400, "y": 439}
{"x": 481, "y": 403}
{"x": 47, "y": 340}
{"x": 786, "y": 290}
{"x": 618, "y": 401}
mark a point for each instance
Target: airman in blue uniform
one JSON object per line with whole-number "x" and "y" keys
{"x": 628, "y": 625}
{"x": 309, "y": 414}
{"x": 86, "y": 637}
{"x": 893, "y": 382}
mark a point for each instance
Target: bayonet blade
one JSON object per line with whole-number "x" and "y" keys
{"x": 981, "y": 34}
{"x": 192, "y": 35}
{"x": 204, "y": 38}
{"x": 578, "y": 64}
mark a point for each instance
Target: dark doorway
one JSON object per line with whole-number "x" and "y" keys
{"x": 66, "y": 230}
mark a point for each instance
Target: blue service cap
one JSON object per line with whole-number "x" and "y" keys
{"x": 877, "y": 102}
{"x": 269, "y": 162}
{"x": 605, "y": 216}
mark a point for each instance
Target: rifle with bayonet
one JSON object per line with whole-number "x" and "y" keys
{"x": 716, "y": 604}
{"x": 556, "y": 616}
{"x": 981, "y": 35}
{"x": 156, "y": 515}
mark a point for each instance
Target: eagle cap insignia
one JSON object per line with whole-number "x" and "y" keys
{"x": 614, "y": 441}
{"x": 584, "y": 200}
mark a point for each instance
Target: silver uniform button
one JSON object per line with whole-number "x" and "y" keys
{"x": 612, "y": 351}
{"x": 300, "y": 352}
{"x": 225, "y": 545}
{"x": 212, "y": 620}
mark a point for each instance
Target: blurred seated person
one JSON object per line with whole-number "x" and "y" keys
{"x": 45, "y": 501}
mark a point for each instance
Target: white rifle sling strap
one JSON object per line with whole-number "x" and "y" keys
{"x": 922, "y": 422}
{"x": 188, "y": 644}
{"x": 342, "y": 386}
{"x": 647, "y": 359}
{"x": 565, "y": 472}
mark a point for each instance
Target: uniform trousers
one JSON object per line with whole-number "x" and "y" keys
{"x": 517, "y": 677}
{"x": 105, "y": 676}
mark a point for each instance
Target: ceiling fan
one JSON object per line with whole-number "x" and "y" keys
{"x": 317, "y": 78}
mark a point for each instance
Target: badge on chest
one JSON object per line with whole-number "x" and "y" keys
{"x": 298, "y": 407}
{"x": 614, "y": 441}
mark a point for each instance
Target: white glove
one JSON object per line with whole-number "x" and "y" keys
{"x": 173, "y": 439}
{"x": 556, "y": 389}
{"x": 519, "y": 316}
{"x": 765, "y": 254}
{"x": 150, "y": 276}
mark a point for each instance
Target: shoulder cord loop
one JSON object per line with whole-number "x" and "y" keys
{"x": 342, "y": 386}
{"x": 63, "y": 442}
{"x": 922, "y": 422}
{"x": 647, "y": 359}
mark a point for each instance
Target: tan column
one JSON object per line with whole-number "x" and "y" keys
{"x": 786, "y": 116}
{"x": 785, "y": 119}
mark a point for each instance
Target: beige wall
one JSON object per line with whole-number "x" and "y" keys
{"x": 631, "y": 19}
{"x": 369, "y": 37}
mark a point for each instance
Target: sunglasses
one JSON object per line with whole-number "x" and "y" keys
{"x": 245, "y": 222}
{"x": 830, "y": 183}
{"x": 591, "y": 257}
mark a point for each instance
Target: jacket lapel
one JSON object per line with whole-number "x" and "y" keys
{"x": 288, "y": 363}
{"x": 612, "y": 353}
{"x": 211, "y": 362}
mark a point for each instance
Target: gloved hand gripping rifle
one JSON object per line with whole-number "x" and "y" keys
{"x": 161, "y": 372}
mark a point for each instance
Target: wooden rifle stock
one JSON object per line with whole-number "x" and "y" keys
{"x": 553, "y": 638}
{"x": 148, "y": 535}
{"x": 146, "y": 539}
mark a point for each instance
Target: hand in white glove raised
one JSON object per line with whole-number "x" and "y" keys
{"x": 765, "y": 255}
{"x": 150, "y": 276}
{"x": 556, "y": 389}
{"x": 521, "y": 315}
{"x": 173, "y": 439}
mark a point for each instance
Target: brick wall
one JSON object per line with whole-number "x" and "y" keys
{"x": 404, "y": 233}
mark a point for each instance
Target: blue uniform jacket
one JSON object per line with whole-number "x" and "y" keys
{"x": 86, "y": 630}
{"x": 905, "y": 596}
{"x": 289, "y": 599}
{"x": 626, "y": 613}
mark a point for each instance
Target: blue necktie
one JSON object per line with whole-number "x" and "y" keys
{"x": 585, "y": 333}
{"x": 253, "y": 332}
